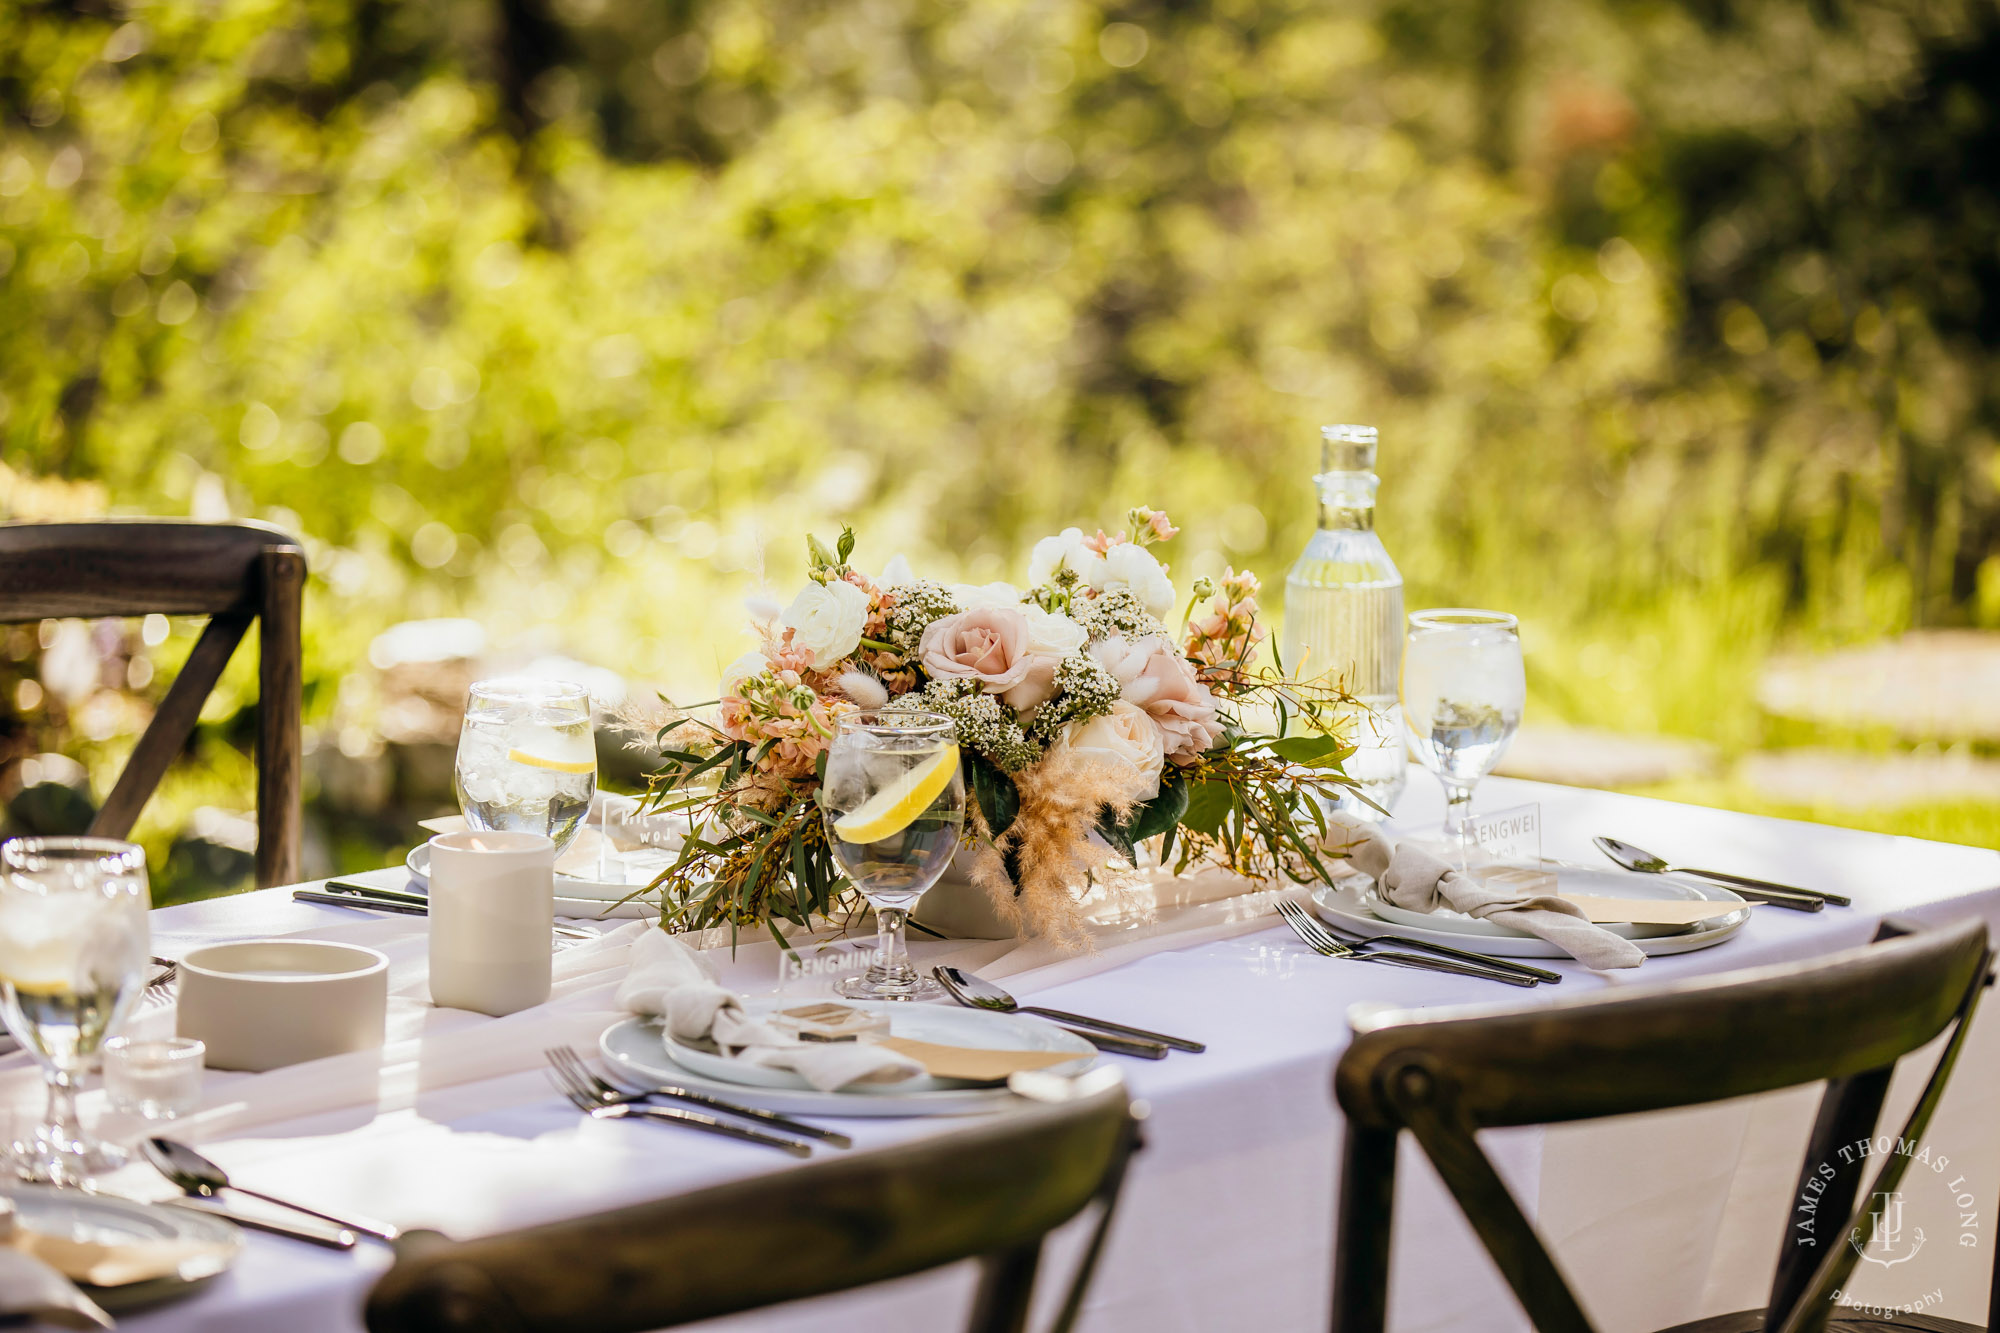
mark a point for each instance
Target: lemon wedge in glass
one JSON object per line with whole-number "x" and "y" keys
{"x": 892, "y": 809}
{"x": 554, "y": 765}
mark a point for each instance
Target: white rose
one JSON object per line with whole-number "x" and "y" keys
{"x": 1134, "y": 569}
{"x": 896, "y": 574}
{"x": 1065, "y": 548}
{"x": 974, "y": 596}
{"x": 826, "y": 620}
{"x": 750, "y": 664}
{"x": 1053, "y": 634}
{"x": 1124, "y": 738}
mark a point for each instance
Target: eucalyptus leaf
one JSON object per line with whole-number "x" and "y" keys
{"x": 1208, "y": 807}
{"x": 999, "y": 799}
{"x": 1161, "y": 813}
{"x": 1313, "y": 751}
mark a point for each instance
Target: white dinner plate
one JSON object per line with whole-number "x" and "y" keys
{"x": 1347, "y": 906}
{"x": 574, "y": 897}
{"x": 1589, "y": 881}
{"x": 112, "y": 1220}
{"x": 638, "y": 1046}
{"x": 936, "y": 1023}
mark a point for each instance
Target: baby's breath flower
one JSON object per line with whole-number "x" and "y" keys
{"x": 917, "y": 605}
{"x": 1118, "y": 612}
{"x": 984, "y": 724}
{"x": 1084, "y": 690}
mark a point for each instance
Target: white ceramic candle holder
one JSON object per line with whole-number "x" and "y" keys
{"x": 259, "y": 1004}
{"x": 492, "y": 908}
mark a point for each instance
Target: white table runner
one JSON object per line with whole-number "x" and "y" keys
{"x": 1228, "y": 1219}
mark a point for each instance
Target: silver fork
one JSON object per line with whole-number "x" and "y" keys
{"x": 1365, "y": 942}
{"x": 586, "y": 1101}
{"x": 580, "y": 1075}
{"x": 161, "y": 987}
{"x": 1326, "y": 945}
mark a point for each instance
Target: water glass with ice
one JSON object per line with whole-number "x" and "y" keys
{"x": 74, "y": 947}
{"x": 527, "y": 759}
{"x": 894, "y": 802}
{"x": 1463, "y": 692}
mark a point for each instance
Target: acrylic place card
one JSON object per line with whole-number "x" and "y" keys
{"x": 814, "y": 969}
{"x": 1511, "y": 835}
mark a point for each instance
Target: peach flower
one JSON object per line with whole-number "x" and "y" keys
{"x": 1152, "y": 676}
{"x": 988, "y": 644}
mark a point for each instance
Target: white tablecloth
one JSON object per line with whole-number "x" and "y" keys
{"x": 1228, "y": 1215}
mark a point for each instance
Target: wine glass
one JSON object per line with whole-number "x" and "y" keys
{"x": 73, "y": 957}
{"x": 1463, "y": 691}
{"x": 527, "y": 761}
{"x": 894, "y": 804}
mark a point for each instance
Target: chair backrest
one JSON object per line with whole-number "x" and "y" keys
{"x": 991, "y": 1191}
{"x": 1445, "y": 1074}
{"x": 233, "y": 573}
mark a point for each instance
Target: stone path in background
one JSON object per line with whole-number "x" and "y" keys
{"x": 1937, "y": 690}
{"x": 1588, "y": 757}
{"x": 1849, "y": 780}
{"x": 1934, "y": 685}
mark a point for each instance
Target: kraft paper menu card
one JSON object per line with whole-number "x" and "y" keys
{"x": 1650, "y": 911}
{"x": 973, "y": 1063}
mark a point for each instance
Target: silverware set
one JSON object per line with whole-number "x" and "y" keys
{"x": 339, "y": 893}
{"x": 1757, "y": 890}
{"x": 161, "y": 988}
{"x": 1436, "y": 958}
{"x": 603, "y": 1100}
{"x": 975, "y": 992}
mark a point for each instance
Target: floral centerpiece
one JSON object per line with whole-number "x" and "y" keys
{"x": 1087, "y": 727}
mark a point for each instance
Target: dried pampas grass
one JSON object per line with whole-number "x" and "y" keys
{"x": 1062, "y": 798}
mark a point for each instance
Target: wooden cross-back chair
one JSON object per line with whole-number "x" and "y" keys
{"x": 233, "y": 573}
{"x": 1844, "y": 1019}
{"x": 991, "y": 1191}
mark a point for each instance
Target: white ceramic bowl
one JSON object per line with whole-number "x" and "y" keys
{"x": 259, "y": 1004}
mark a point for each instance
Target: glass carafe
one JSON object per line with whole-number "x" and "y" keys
{"x": 1344, "y": 614}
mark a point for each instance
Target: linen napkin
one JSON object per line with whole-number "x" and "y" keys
{"x": 30, "y": 1289}
{"x": 1412, "y": 878}
{"x": 669, "y": 980}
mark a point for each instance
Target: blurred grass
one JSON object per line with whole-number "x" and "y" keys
{"x": 1678, "y": 321}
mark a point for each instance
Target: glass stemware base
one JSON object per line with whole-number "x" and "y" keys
{"x": 50, "y": 1156}
{"x": 890, "y": 976}
{"x": 879, "y": 984}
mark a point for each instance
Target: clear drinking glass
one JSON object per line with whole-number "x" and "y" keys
{"x": 73, "y": 959}
{"x": 527, "y": 760}
{"x": 894, "y": 803}
{"x": 158, "y": 1079}
{"x": 1463, "y": 691}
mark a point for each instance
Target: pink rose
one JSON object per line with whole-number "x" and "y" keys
{"x": 1156, "y": 678}
{"x": 989, "y": 645}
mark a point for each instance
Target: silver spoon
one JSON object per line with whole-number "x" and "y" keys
{"x": 1784, "y": 895}
{"x": 977, "y": 993}
{"x": 194, "y": 1174}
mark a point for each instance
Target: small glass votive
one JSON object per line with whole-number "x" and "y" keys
{"x": 156, "y": 1078}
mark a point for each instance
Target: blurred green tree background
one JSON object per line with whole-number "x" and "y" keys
{"x": 1678, "y": 319}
